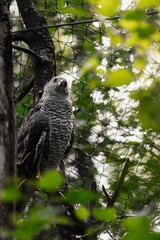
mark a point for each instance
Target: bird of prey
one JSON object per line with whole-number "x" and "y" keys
{"x": 46, "y": 135}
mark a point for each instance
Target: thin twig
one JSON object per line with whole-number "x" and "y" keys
{"x": 119, "y": 184}
{"x": 106, "y": 194}
{"x": 21, "y": 183}
{"x": 24, "y": 91}
{"x": 28, "y": 51}
{"x": 110, "y": 234}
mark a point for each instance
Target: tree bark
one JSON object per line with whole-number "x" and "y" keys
{"x": 39, "y": 41}
{"x": 7, "y": 121}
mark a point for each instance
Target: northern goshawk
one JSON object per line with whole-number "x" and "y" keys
{"x": 45, "y": 137}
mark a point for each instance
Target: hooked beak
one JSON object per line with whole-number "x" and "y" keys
{"x": 63, "y": 83}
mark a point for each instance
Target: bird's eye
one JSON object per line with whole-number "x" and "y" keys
{"x": 55, "y": 80}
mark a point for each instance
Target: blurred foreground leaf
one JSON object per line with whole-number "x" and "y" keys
{"x": 148, "y": 109}
{"x": 106, "y": 214}
{"x": 118, "y": 78}
{"x": 81, "y": 196}
{"x": 38, "y": 220}
{"x": 10, "y": 194}
{"x": 82, "y": 213}
{"x": 138, "y": 228}
{"x": 50, "y": 181}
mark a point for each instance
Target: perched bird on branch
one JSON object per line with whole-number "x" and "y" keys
{"x": 46, "y": 135}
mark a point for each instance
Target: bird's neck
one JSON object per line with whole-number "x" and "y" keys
{"x": 52, "y": 103}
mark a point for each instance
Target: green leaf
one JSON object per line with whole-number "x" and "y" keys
{"x": 50, "y": 181}
{"x": 145, "y": 30}
{"x": 148, "y": 113}
{"x": 105, "y": 214}
{"x": 137, "y": 228}
{"x": 137, "y": 15}
{"x": 140, "y": 43}
{"x": 38, "y": 219}
{"x": 10, "y": 194}
{"x": 94, "y": 82}
{"x": 141, "y": 29}
{"x": 156, "y": 36}
{"x": 82, "y": 213}
{"x": 90, "y": 65}
{"x": 108, "y": 8}
{"x": 148, "y": 3}
{"x": 132, "y": 19}
{"x": 148, "y": 109}
{"x": 76, "y": 11}
{"x": 129, "y": 24}
{"x": 115, "y": 38}
{"x": 118, "y": 78}
{"x": 81, "y": 196}
{"x": 140, "y": 63}
{"x": 20, "y": 110}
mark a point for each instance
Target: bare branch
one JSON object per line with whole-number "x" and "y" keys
{"x": 119, "y": 184}
{"x": 106, "y": 194}
{"x": 110, "y": 234}
{"x": 24, "y": 91}
{"x": 28, "y": 51}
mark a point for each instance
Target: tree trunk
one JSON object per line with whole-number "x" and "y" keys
{"x": 39, "y": 41}
{"x": 7, "y": 121}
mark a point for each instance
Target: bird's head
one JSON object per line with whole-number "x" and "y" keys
{"x": 56, "y": 85}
